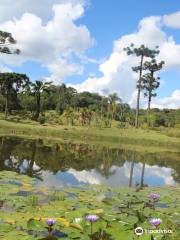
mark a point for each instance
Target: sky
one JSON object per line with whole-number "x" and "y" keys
{"x": 80, "y": 43}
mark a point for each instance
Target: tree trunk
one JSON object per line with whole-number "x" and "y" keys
{"x": 149, "y": 98}
{"x": 131, "y": 174}
{"x": 32, "y": 161}
{"x": 2, "y": 154}
{"x": 142, "y": 174}
{"x": 131, "y": 171}
{"x": 38, "y": 106}
{"x": 139, "y": 93}
{"x": 101, "y": 113}
{"x": 148, "y": 109}
{"x": 6, "y": 105}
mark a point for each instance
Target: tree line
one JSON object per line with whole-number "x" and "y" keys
{"x": 19, "y": 94}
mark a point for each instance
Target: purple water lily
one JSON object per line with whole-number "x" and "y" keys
{"x": 155, "y": 222}
{"x": 50, "y": 222}
{"x": 92, "y": 219}
{"x": 155, "y": 197}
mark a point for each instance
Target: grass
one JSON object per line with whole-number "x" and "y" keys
{"x": 130, "y": 138}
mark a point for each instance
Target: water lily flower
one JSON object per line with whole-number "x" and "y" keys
{"x": 78, "y": 220}
{"x": 155, "y": 222}
{"x": 50, "y": 222}
{"x": 154, "y": 196}
{"x": 91, "y": 218}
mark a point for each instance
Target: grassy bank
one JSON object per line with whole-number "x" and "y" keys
{"x": 135, "y": 139}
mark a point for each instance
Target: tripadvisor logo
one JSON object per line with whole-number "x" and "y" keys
{"x": 140, "y": 231}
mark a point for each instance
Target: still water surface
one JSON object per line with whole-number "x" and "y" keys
{"x": 68, "y": 164}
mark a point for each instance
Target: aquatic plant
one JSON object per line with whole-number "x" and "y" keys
{"x": 33, "y": 201}
{"x": 154, "y": 197}
{"x": 57, "y": 196}
{"x": 78, "y": 220}
{"x": 155, "y": 222}
{"x": 72, "y": 217}
{"x": 92, "y": 219}
{"x": 101, "y": 235}
{"x": 50, "y": 222}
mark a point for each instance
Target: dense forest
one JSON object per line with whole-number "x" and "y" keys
{"x": 59, "y": 104}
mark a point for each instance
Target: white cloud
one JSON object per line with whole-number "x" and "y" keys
{"x": 172, "y": 20}
{"x": 117, "y": 75}
{"x": 48, "y": 33}
{"x": 120, "y": 175}
{"x": 172, "y": 101}
{"x": 4, "y": 69}
{"x": 57, "y": 42}
{"x": 170, "y": 52}
{"x": 61, "y": 69}
{"x": 10, "y": 9}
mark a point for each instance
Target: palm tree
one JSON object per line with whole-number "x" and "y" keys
{"x": 69, "y": 115}
{"x": 37, "y": 89}
{"x": 113, "y": 99}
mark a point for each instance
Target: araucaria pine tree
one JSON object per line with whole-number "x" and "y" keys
{"x": 142, "y": 52}
{"x": 150, "y": 82}
{"x": 6, "y": 43}
{"x": 6, "y": 47}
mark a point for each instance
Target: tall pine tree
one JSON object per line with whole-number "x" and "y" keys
{"x": 142, "y": 52}
{"x": 150, "y": 82}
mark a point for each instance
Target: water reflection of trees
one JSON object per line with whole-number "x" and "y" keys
{"x": 12, "y": 158}
{"x": 62, "y": 156}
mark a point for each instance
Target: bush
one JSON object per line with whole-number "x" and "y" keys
{"x": 121, "y": 125}
{"x": 144, "y": 126}
{"x": 41, "y": 119}
{"x": 177, "y": 126}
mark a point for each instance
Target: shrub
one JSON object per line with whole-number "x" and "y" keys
{"x": 41, "y": 119}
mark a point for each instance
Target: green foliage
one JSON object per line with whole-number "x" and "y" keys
{"x": 33, "y": 201}
{"x": 10, "y": 85}
{"x": 41, "y": 119}
{"x": 101, "y": 235}
{"x": 57, "y": 196}
{"x": 119, "y": 214}
{"x": 62, "y": 105}
{"x": 6, "y": 40}
{"x": 37, "y": 89}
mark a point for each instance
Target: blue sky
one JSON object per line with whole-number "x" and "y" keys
{"x": 86, "y": 56}
{"x": 110, "y": 19}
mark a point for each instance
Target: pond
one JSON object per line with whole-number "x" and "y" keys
{"x": 69, "y": 164}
